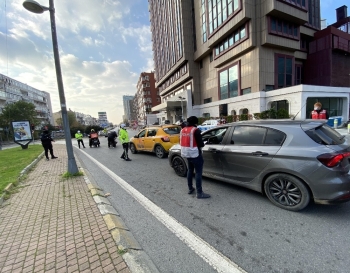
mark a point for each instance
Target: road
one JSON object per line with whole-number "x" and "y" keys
{"x": 236, "y": 223}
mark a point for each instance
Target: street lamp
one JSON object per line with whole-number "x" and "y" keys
{"x": 182, "y": 109}
{"x": 35, "y": 7}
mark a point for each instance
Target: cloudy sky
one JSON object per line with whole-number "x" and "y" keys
{"x": 104, "y": 46}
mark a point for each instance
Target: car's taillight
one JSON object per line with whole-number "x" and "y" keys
{"x": 165, "y": 139}
{"x": 333, "y": 159}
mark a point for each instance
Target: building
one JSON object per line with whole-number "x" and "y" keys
{"x": 234, "y": 57}
{"x": 146, "y": 97}
{"x": 128, "y": 108}
{"x": 102, "y": 119}
{"x": 12, "y": 91}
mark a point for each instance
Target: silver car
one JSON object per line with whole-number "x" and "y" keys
{"x": 290, "y": 161}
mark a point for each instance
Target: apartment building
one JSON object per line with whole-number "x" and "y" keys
{"x": 12, "y": 91}
{"x": 146, "y": 97}
{"x": 231, "y": 57}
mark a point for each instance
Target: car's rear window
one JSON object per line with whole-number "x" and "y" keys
{"x": 325, "y": 135}
{"x": 172, "y": 130}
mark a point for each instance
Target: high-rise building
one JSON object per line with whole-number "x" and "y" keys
{"x": 232, "y": 57}
{"x": 12, "y": 91}
{"x": 146, "y": 97}
{"x": 128, "y": 108}
{"x": 102, "y": 119}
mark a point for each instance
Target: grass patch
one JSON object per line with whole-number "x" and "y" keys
{"x": 13, "y": 161}
{"x": 68, "y": 175}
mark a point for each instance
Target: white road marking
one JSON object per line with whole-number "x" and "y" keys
{"x": 208, "y": 253}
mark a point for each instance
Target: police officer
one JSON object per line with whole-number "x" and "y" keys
{"x": 191, "y": 143}
{"x": 124, "y": 138}
{"x": 79, "y": 137}
{"x": 46, "y": 141}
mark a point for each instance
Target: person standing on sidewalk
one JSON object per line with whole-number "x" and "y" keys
{"x": 124, "y": 139}
{"x": 46, "y": 141}
{"x": 191, "y": 148}
{"x": 79, "y": 137}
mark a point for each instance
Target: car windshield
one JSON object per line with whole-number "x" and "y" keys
{"x": 325, "y": 135}
{"x": 172, "y": 130}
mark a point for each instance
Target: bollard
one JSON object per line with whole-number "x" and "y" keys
{"x": 335, "y": 123}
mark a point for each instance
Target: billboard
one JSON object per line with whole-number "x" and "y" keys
{"x": 21, "y": 131}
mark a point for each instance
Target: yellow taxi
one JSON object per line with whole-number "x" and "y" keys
{"x": 156, "y": 139}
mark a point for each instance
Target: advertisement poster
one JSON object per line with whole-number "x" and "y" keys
{"x": 21, "y": 131}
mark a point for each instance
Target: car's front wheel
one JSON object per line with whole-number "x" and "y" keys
{"x": 160, "y": 152}
{"x": 287, "y": 192}
{"x": 179, "y": 166}
{"x": 133, "y": 148}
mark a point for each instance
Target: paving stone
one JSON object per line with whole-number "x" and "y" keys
{"x": 56, "y": 220}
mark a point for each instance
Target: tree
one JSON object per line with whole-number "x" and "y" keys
{"x": 71, "y": 119}
{"x": 19, "y": 110}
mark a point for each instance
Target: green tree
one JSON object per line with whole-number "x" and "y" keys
{"x": 20, "y": 110}
{"x": 73, "y": 123}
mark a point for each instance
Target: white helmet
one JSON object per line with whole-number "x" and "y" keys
{"x": 122, "y": 125}
{"x": 78, "y": 131}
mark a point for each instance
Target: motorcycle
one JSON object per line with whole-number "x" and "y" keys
{"x": 112, "y": 142}
{"x": 95, "y": 142}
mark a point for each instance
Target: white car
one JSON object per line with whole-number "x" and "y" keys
{"x": 208, "y": 124}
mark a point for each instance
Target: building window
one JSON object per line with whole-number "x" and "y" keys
{"x": 281, "y": 104}
{"x": 283, "y": 28}
{"x": 232, "y": 40}
{"x": 298, "y": 74}
{"x": 206, "y": 115}
{"x": 204, "y": 21}
{"x": 246, "y": 91}
{"x": 334, "y": 106}
{"x": 297, "y": 3}
{"x": 219, "y": 11}
{"x": 269, "y": 88}
{"x": 201, "y": 64}
{"x": 208, "y": 100}
{"x": 283, "y": 70}
{"x": 228, "y": 82}
{"x": 211, "y": 56}
{"x": 314, "y": 13}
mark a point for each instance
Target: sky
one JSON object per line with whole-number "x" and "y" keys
{"x": 104, "y": 45}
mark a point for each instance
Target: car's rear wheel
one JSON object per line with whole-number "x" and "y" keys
{"x": 160, "y": 152}
{"x": 179, "y": 166}
{"x": 133, "y": 148}
{"x": 287, "y": 192}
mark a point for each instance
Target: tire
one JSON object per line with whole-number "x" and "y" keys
{"x": 287, "y": 192}
{"x": 133, "y": 148}
{"x": 179, "y": 165}
{"x": 160, "y": 152}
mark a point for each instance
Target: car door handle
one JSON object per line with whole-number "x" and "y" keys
{"x": 258, "y": 153}
{"x": 213, "y": 150}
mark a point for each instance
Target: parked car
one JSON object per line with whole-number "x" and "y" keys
{"x": 292, "y": 162}
{"x": 208, "y": 124}
{"x": 156, "y": 139}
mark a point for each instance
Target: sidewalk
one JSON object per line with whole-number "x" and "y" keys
{"x": 54, "y": 225}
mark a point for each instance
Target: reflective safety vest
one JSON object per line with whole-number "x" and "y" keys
{"x": 321, "y": 115}
{"x": 188, "y": 143}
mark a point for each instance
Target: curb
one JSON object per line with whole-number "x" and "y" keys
{"x": 22, "y": 173}
{"x": 130, "y": 250}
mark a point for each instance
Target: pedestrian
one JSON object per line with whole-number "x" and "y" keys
{"x": 111, "y": 138}
{"x": 191, "y": 148}
{"x": 46, "y": 141}
{"x": 79, "y": 137}
{"x": 124, "y": 138}
{"x": 318, "y": 112}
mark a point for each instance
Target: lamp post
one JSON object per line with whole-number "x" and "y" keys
{"x": 182, "y": 109}
{"x": 35, "y": 7}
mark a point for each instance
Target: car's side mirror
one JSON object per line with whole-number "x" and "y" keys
{"x": 213, "y": 140}
{"x": 136, "y": 136}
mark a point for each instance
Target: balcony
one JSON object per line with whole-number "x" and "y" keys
{"x": 283, "y": 9}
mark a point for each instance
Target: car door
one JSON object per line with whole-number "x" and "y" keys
{"x": 213, "y": 145}
{"x": 140, "y": 140}
{"x": 149, "y": 139}
{"x": 248, "y": 152}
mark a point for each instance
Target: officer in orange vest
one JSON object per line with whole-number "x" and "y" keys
{"x": 191, "y": 143}
{"x": 318, "y": 112}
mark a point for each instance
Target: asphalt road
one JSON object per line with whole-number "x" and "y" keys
{"x": 240, "y": 224}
